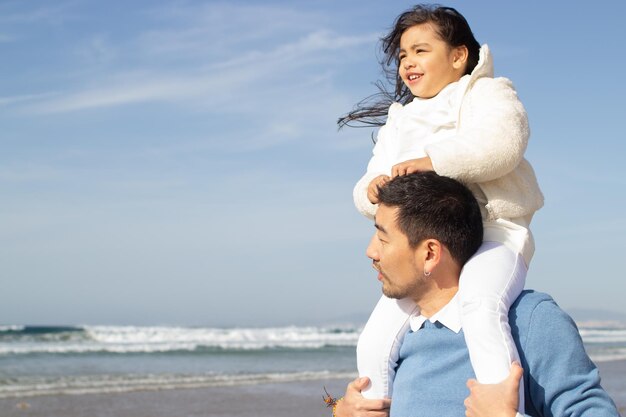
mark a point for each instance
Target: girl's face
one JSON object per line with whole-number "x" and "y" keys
{"x": 427, "y": 63}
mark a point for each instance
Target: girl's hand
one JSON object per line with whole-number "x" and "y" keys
{"x": 354, "y": 404}
{"x": 372, "y": 189}
{"x": 411, "y": 166}
{"x": 494, "y": 400}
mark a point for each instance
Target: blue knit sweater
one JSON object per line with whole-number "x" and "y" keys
{"x": 560, "y": 379}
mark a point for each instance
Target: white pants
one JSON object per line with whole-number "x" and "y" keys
{"x": 490, "y": 282}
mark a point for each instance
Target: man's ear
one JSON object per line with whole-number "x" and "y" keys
{"x": 432, "y": 254}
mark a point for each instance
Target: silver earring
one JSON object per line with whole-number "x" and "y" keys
{"x": 427, "y": 273}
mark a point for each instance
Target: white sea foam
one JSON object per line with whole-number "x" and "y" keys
{"x": 131, "y": 339}
{"x": 606, "y": 355}
{"x": 592, "y": 336}
{"x": 13, "y": 328}
{"x": 604, "y": 344}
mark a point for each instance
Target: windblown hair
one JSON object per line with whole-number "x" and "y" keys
{"x": 451, "y": 27}
{"x": 436, "y": 207}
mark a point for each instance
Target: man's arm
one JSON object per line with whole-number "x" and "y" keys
{"x": 561, "y": 379}
{"x": 353, "y": 404}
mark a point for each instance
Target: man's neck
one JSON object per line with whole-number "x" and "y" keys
{"x": 435, "y": 301}
{"x": 441, "y": 286}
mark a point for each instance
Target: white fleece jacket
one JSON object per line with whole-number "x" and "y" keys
{"x": 484, "y": 151}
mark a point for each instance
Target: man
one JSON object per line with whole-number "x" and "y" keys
{"x": 425, "y": 223}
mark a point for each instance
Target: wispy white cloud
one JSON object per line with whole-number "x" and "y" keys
{"x": 194, "y": 30}
{"x": 148, "y": 88}
{"x": 25, "y": 98}
{"x": 14, "y": 12}
{"x": 275, "y": 68}
{"x": 98, "y": 49}
{"x": 28, "y": 172}
{"x": 215, "y": 82}
{"x": 5, "y": 38}
{"x": 203, "y": 53}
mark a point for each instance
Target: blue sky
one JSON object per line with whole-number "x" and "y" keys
{"x": 178, "y": 162}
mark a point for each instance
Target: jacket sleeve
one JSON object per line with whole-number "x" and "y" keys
{"x": 379, "y": 164}
{"x": 491, "y": 138}
{"x": 560, "y": 379}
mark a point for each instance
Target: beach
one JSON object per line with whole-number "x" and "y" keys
{"x": 292, "y": 399}
{"x": 285, "y": 399}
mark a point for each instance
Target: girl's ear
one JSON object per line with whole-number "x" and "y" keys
{"x": 459, "y": 57}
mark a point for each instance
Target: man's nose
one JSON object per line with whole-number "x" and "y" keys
{"x": 372, "y": 248}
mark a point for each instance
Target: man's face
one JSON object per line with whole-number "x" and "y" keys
{"x": 393, "y": 257}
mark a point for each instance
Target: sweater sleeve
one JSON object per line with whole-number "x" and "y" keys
{"x": 561, "y": 380}
{"x": 379, "y": 164}
{"x": 491, "y": 137}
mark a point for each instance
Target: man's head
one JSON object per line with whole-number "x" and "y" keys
{"x": 423, "y": 218}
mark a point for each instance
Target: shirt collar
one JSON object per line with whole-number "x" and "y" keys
{"x": 449, "y": 316}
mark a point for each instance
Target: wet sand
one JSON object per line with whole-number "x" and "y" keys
{"x": 292, "y": 399}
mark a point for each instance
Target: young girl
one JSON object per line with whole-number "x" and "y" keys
{"x": 450, "y": 115}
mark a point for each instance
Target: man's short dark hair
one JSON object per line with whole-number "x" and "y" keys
{"x": 432, "y": 206}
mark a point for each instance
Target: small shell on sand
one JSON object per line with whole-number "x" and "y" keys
{"x": 22, "y": 406}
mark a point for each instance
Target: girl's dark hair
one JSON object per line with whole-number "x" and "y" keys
{"x": 451, "y": 27}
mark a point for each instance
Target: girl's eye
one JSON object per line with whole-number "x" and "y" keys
{"x": 401, "y": 57}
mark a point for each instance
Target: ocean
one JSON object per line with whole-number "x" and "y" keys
{"x": 74, "y": 360}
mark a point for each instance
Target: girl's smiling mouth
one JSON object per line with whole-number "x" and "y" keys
{"x": 413, "y": 76}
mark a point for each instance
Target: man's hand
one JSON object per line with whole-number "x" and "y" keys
{"x": 411, "y": 166}
{"x": 494, "y": 400}
{"x": 372, "y": 189}
{"x": 354, "y": 404}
